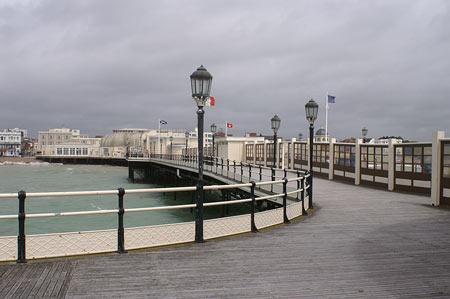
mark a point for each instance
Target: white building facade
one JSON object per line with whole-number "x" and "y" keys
{"x": 10, "y": 143}
{"x": 54, "y": 137}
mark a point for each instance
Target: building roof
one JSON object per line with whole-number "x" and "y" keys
{"x": 320, "y": 132}
{"x": 120, "y": 139}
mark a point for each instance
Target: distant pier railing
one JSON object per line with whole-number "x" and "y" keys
{"x": 291, "y": 191}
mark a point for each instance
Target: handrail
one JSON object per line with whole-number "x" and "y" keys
{"x": 224, "y": 168}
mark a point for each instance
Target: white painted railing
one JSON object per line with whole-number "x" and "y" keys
{"x": 89, "y": 242}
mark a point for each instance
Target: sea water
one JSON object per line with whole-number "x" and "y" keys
{"x": 46, "y": 177}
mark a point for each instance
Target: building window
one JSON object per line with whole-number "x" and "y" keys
{"x": 85, "y": 151}
{"x": 66, "y": 151}
{"x": 72, "y": 151}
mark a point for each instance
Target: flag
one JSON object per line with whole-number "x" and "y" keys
{"x": 210, "y": 101}
{"x": 229, "y": 125}
{"x": 331, "y": 99}
{"x": 163, "y": 122}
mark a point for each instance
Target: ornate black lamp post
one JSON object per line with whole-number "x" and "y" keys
{"x": 275, "y": 122}
{"x": 364, "y": 132}
{"x": 311, "y": 109}
{"x": 213, "y": 131}
{"x": 300, "y": 136}
{"x": 171, "y": 147}
{"x": 201, "y": 85}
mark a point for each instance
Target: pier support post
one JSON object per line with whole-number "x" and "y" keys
{"x": 120, "y": 230}
{"x": 21, "y": 256}
{"x": 273, "y": 179}
{"x": 131, "y": 173}
{"x": 331, "y": 159}
{"x": 285, "y": 217}
{"x": 358, "y": 161}
{"x": 391, "y": 164}
{"x": 252, "y": 207}
{"x": 302, "y": 196}
{"x": 436, "y": 168}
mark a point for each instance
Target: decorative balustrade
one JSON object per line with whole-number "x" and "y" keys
{"x": 415, "y": 167}
{"x": 288, "y": 188}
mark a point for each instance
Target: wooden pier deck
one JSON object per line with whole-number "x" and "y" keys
{"x": 358, "y": 243}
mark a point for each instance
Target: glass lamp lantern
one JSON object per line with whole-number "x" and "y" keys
{"x": 275, "y": 122}
{"x": 311, "y": 109}
{"x": 201, "y": 85}
{"x": 213, "y": 128}
{"x": 364, "y": 131}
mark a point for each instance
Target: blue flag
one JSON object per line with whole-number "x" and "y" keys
{"x": 331, "y": 99}
{"x": 163, "y": 122}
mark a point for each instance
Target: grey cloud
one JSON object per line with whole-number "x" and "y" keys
{"x": 101, "y": 65}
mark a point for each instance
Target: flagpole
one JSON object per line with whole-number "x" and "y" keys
{"x": 326, "y": 115}
{"x": 226, "y": 128}
{"x": 159, "y": 136}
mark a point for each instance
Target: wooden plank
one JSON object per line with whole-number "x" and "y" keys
{"x": 357, "y": 243}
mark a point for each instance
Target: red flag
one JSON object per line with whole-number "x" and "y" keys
{"x": 229, "y": 125}
{"x": 210, "y": 101}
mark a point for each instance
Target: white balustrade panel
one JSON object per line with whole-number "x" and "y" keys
{"x": 294, "y": 210}
{"x": 79, "y": 243}
{"x": 8, "y": 248}
{"x": 220, "y": 227}
{"x": 159, "y": 235}
{"x": 65, "y": 244}
{"x": 269, "y": 218}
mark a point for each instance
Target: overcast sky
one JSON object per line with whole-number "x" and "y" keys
{"x": 104, "y": 65}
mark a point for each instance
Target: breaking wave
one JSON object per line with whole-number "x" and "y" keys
{"x": 31, "y": 164}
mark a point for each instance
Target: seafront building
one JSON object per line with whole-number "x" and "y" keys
{"x": 46, "y": 139}
{"x": 11, "y": 142}
{"x": 121, "y": 143}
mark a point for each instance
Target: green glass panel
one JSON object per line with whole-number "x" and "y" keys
{"x": 378, "y": 150}
{"x": 398, "y": 151}
{"x": 408, "y": 159}
{"x": 417, "y": 159}
{"x": 446, "y": 173}
{"x": 385, "y": 166}
{"x": 363, "y": 149}
{"x": 370, "y": 150}
{"x": 398, "y": 167}
{"x": 417, "y": 150}
{"x": 427, "y": 150}
{"x": 407, "y": 150}
{"x": 446, "y": 160}
{"x": 447, "y": 149}
{"x": 427, "y": 159}
{"x": 418, "y": 168}
{"x": 364, "y": 164}
{"x": 427, "y": 168}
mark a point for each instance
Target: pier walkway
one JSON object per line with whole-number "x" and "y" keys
{"x": 357, "y": 243}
